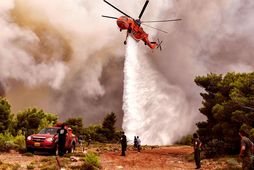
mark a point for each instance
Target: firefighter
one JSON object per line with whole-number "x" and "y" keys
{"x": 246, "y": 151}
{"x": 61, "y": 140}
{"x": 197, "y": 148}
{"x": 123, "y": 141}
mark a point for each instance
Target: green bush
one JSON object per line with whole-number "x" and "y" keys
{"x": 214, "y": 148}
{"x": 91, "y": 160}
{"x": 32, "y": 120}
{"x": 8, "y": 142}
{"x": 5, "y": 110}
{"x": 95, "y": 132}
{"x": 30, "y": 166}
{"x": 20, "y": 141}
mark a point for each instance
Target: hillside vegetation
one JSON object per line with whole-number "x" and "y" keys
{"x": 15, "y": 128}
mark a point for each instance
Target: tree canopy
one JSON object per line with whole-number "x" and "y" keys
{"x": 5, "y": 113}
{"x": 108, "y": 126}
{"x": 76, "y": 124}
{"x": 32, "y": 120}
{"x": 228, "y": 105}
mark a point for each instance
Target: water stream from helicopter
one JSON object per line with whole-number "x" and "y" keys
{"x": 151, "y": 105}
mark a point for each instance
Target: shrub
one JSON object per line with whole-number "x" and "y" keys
{"x": 8, "y": 142}
{"x": 30, "y": 166}
{"x": 214, "y": 148}
{"x": 20, "y": 141}
{"x": 91, "y": 160}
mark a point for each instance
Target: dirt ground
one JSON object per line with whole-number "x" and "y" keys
{"x": 150, "y": 158}
{"x": 21, "y": 160}
{"x": 162, "y": 158}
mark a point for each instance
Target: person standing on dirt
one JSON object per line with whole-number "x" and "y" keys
{"x": 135, "y": 142}
{"x": 123, "y": 141}
{"x": 246, "y": 151}
{"x": 61, "y": 140}
{"x": 89, "y": 141}
{"x": 197, "y": 148}
{"x": 138, "y": 144}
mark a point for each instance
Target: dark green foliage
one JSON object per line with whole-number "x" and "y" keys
{"x": 95, "y": 132}
{"x": 108, "y": 126}
{"x": 228, "y": 105}
{"x": 213, "y": 148}
{"x": 109, "y": 122}
{"x": 14, "y": 129}
{"x": 8, "y": 142}
{"x": 76, "y": 124}
{"x": 103, "y": 133}
{"x": 5, "y": 113}
{"x": 33, "y": 120}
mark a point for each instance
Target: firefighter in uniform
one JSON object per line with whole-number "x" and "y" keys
{"x": 246, "y": 151}
{"x": 197, "y": 148}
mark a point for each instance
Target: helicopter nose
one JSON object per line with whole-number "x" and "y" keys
{"x": 122, "y": 24}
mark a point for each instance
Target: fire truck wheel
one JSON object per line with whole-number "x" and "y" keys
{"x": 55, "y": 151}
{"x": 30, "y": 150}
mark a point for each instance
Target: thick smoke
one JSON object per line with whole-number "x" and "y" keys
{"x": 61, "y": 56}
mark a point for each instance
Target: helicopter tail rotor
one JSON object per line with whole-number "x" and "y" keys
{"x": 159, "y": 44}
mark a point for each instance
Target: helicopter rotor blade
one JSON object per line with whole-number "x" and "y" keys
{"x": 143, "y": 9}
{"x": 117, "y": 9}
{"x": 105, "y": 16}
{"x": 168, "y": 20}
{"x": 154, "y": 28}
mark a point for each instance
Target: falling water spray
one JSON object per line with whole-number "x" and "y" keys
{"x": 152, "y": 107}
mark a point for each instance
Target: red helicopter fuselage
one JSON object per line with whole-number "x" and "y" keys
{"x": 133, "y": 27}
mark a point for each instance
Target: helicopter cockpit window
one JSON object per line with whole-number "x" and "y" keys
{"x": 125, "y": 18}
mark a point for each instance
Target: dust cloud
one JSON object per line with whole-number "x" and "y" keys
{"x": 64, "y": 57}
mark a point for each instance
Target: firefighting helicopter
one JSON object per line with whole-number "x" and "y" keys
{"x": 133, "y": 26}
